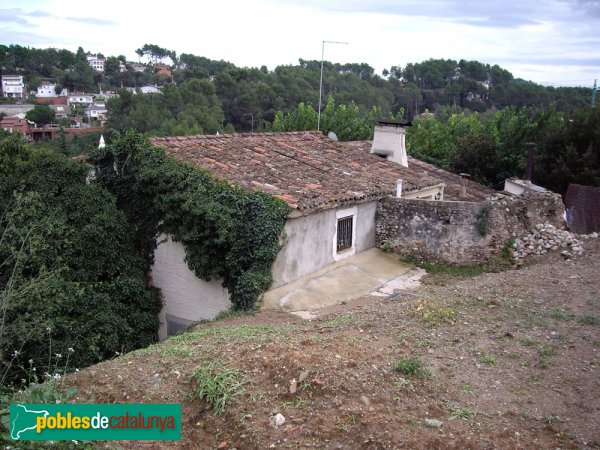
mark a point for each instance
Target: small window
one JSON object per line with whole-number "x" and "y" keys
{"x": 344, "y": 233}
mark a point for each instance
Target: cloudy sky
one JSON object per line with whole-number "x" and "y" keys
{"x": 546, "y": 41}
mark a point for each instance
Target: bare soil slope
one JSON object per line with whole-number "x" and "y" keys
{"x": 510, "y": 360}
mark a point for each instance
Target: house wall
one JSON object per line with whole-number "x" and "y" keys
{"x": 185, "y": 296}
{"x": 310, "y": 239}
{"x": 450, "y": 232}
{"x": 309, "y": 246}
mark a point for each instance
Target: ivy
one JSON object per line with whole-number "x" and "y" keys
{"x": 68, "y": 274}
{"x": 229, "y": 233}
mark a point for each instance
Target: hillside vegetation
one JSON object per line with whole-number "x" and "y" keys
{"x": 249, "y": 98}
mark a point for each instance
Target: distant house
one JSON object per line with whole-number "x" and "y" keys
{"x": 13, "y": 86}
{"x": 81, "y": 99}
{"x": 332, "y": 187}
{"x": 61, "y": 111}
{"x": 16, "y": 124}
{"x": 138, "y": 67}
{"x": 96, "y": 63}
{"x": 96, "y": 111}
{"x": 150, "y": 90}
{"x": 47, "y": 90}
{"x": 163, "y": 69}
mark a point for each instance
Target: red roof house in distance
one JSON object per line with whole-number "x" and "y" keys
{"x": 163, "y": 69}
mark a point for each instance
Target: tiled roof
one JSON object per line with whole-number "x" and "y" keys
{"x": 475, "y": 191}
{"x": 306, "y": 169}
{"x": 452, "y": 192}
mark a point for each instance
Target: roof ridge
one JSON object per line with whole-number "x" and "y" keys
{"x": 243, "y": 134}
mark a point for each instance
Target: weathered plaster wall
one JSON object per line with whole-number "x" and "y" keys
{"x": 309, "y": 242}
{"x": 308, "y": 247}
{"x": 185, "y": 296}
{"x": 461, "y": 232}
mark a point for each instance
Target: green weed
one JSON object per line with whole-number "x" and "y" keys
{"x": 484, "y": 357}
{"x": 434, "y": 313}
{"x": 589, "y": 319}
{"x": 412, "y": 366}
{"x": 458, "y": 412}
{"x": 217, "y": 385}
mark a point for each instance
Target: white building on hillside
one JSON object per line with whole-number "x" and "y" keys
{"x": 96, "y": 63}
{"x": 47, "y": 89}
{"x": 13, "y": 86}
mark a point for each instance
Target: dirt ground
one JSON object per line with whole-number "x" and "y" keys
{"x": 510, "y": 360}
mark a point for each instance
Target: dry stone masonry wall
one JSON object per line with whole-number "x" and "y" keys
{"x": 463, "y": 232}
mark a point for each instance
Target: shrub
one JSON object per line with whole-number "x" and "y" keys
{"x": 68, "y": 271}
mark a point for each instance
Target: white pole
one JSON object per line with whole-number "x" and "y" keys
{"x": 321, "y": 81}
{"x": 320, "y": 87}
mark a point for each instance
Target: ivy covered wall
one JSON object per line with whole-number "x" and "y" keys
{"x": 229, "y": 233}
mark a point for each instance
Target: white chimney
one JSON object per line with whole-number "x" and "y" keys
{"x": 398, "y": 188}
{"x": 389, "y": 140}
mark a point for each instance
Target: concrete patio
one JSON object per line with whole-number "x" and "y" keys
{"x": 372, "y": 272}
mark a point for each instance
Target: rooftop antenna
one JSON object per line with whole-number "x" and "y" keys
{"x": 321, "y": 81}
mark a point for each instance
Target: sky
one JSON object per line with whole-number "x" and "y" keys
{"x": 554, "y": 42}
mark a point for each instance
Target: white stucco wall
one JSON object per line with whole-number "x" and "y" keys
{"x": 310, "y": 241}
{"x": 310, "y": 245}
{"x": 185, "y": 296}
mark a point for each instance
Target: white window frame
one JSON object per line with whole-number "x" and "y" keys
{"x": 342, "y": 214}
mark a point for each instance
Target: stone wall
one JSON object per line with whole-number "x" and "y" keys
{"x": 462, "y": 232}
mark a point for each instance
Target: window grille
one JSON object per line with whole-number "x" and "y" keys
{"x": 344, "y": 233}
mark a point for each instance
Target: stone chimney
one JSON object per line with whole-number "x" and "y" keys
{"x": 389, "y": 140}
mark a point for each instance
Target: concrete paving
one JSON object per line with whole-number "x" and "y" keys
{"x": 371, "y": 272}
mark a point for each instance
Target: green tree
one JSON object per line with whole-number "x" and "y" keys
{"x": 41, "y": 115}
{"x": 69, "y": 277}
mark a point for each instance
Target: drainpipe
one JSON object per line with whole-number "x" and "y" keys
{"x": 398, "y": 188}
{"x": 463, "y": 184}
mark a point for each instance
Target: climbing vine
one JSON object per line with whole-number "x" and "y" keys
{"x": 228, "y": 232}
{"x": 483, "y": 219}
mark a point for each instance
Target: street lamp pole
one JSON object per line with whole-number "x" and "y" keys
{"x": 321, "y": 81}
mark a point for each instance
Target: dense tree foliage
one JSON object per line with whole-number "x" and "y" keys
{"x": 69, "y": 278}
{"x": 345, "y": 121}
{"x": 251, "y": 97}
{"x": 492, "y": 146}
{"x": 480, "y": 115}
{"x": 571, "y": 154}
{"x": 192, "y": 107}
{"x": 41, "y": 115}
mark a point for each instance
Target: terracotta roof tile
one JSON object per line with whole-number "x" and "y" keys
{"x": 306, "y": 169}
{"x": 452, "y": 191}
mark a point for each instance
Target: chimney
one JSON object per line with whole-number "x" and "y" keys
{"x": 389, "y": 140}
{"x": 398, "y": 188}
{"x": 463, "y": 184}
{"x": 531, "y": 146}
